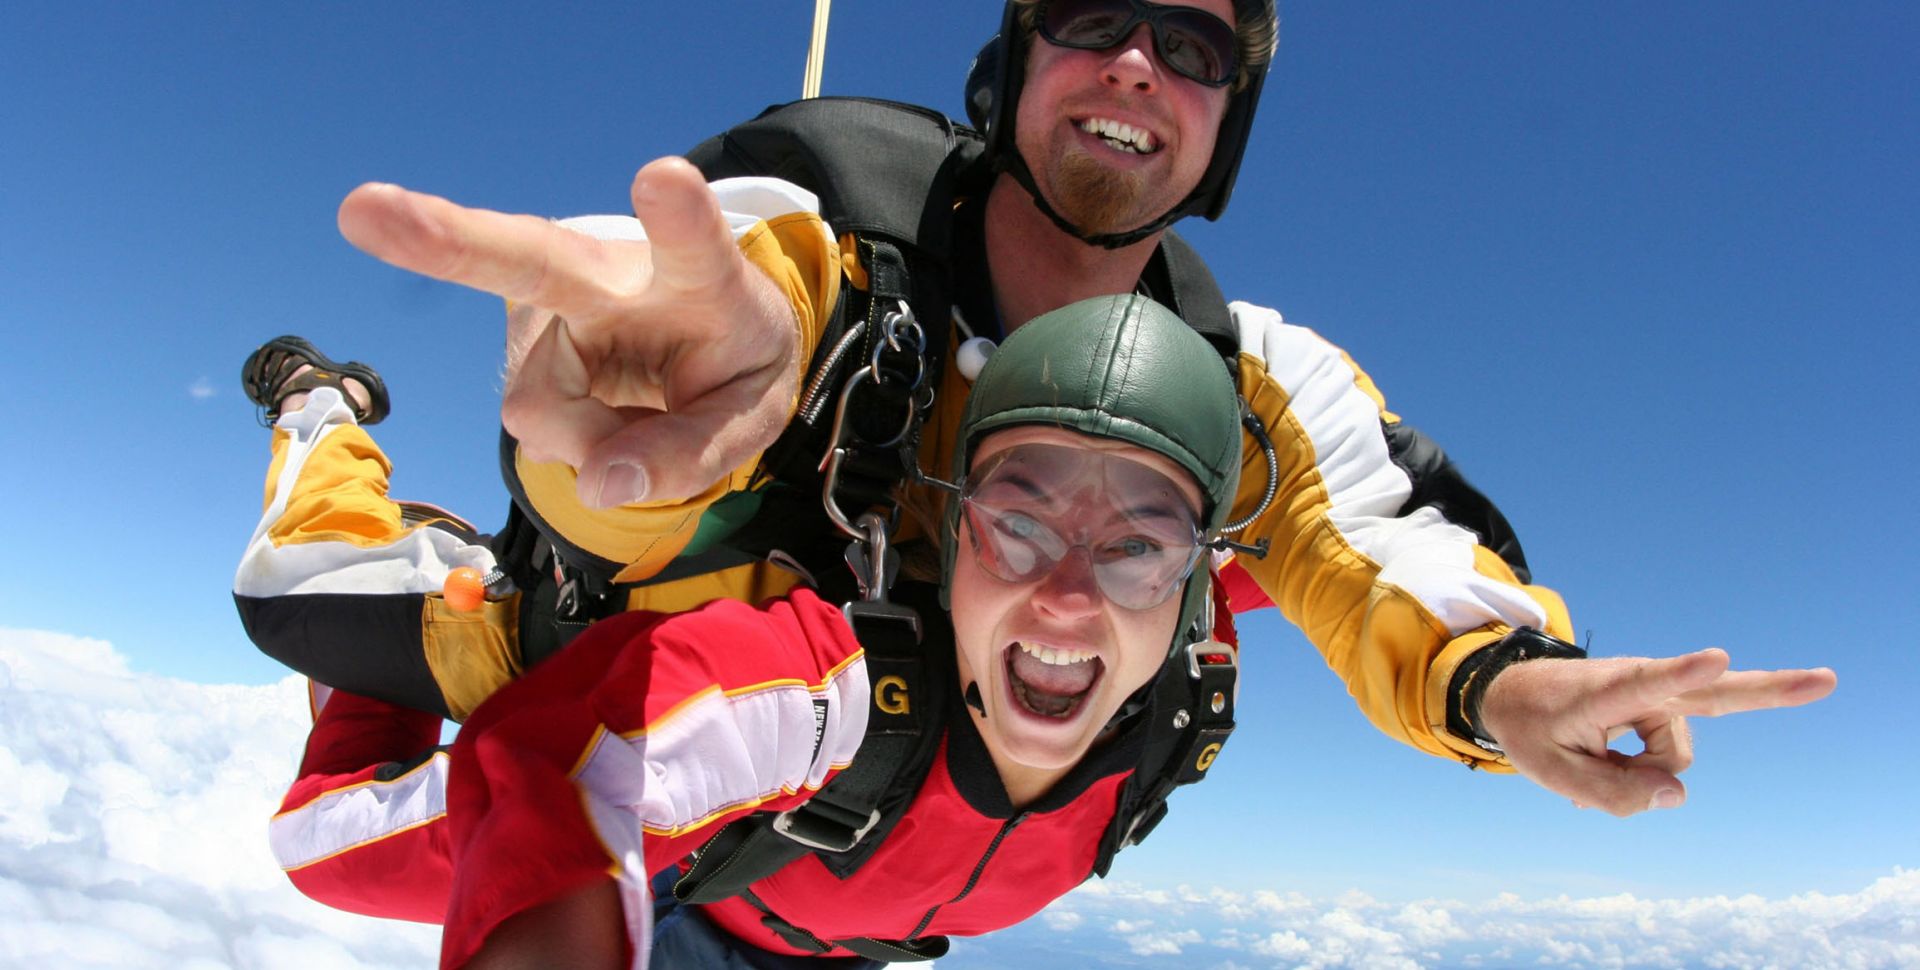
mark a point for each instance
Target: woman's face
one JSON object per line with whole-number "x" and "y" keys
{"x": 1072, "y": 551}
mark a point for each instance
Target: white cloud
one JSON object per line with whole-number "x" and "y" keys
{"x": 1062, "y": 920}
{"x": 1877, "y": 927}
{"x": 1285, "y": 945}
{"x": 133, "y": 822}
{"x": 201, "y": 389}
{"x": 1162, "y": 944}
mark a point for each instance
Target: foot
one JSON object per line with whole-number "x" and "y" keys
{"x": 280, "y": 375}
{"x": 295, "y": 400}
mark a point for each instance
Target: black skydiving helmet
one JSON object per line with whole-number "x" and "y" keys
{"x": 993, "y": 95}
{"x": 1123, "y": 368}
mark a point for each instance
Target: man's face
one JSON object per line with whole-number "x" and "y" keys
{"x": 1055, "y": 655}
{"x": 1114, "y": 137}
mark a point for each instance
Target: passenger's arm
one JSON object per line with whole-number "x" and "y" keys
{"x": 364, "y": 827}
{"x": 626, "y": 751}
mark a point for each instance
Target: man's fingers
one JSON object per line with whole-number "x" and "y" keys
{"x": 526, "y": 259}
{"x": 1610, "y": 781}
{"x": 1650, "y": 684}
{"x": 677, "y": 454}
{"x": 1668, "y": 743}
{"x": 693, "y": 248}
{"x": 550, "y": 412}
{"x": 563, "y": 430}
{"x": 1753, "y": 690}
{"x": 660, "y": 456}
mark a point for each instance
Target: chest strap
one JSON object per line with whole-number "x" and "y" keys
{"x": 1192, "y": 709}
{"x": 846, "y": 821}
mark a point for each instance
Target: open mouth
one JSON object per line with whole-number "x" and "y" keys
{"x": 1051, "y": 682}
{"x": 1120, "y": 136}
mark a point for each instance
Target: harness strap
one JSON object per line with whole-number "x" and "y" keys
{"x": 886, "y": 951}
{"x": 847, "y": 819}
{"x": 1193, "y": 711}
{"x": 1194, "y": 294}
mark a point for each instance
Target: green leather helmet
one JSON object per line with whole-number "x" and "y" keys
{"x": 1119, "y": 367}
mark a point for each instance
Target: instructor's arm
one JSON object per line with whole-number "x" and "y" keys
{"x": 670, "y": 362}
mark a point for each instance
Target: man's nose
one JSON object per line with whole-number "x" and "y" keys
{"x": 1133, "y": 63}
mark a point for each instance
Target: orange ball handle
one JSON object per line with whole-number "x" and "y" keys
{"x": 464, "y": 590}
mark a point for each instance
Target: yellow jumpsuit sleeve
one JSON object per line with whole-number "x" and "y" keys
{"x": 1393, "y": 597}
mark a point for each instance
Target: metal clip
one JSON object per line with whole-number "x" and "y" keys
{"x": 836, "y": 453}
{"x": 875, "y": 564}
{"x": 901, "y": 333}
{"x": 566, "y": 603}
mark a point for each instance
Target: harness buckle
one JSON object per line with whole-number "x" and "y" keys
{"x": 1214, "y": 671}
{"x": 822, "y": 835}
{"x": 570, "y": 600}
{"x": 1211, "y": 657}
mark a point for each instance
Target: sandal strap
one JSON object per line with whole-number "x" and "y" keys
{"x": 267, "y": 378}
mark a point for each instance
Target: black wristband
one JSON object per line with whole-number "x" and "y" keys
{"x": 1470, "y": 679}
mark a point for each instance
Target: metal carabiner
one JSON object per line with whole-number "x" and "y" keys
{"x": 901, "y": 333}
{"x": 836, "y": 453}
{"x": 882, "y": 561}
{"x": 874, "y": 563}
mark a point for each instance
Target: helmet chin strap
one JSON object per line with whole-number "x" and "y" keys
{"x": 1017, "y": 167}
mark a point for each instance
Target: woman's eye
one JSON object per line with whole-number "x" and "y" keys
{"x": 1019, "y": 526}
{"x": 1133, "y": 547}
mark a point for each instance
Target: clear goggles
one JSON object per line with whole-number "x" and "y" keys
{"x": 1191, "y": 41}
{"x": 1031, "y": 506}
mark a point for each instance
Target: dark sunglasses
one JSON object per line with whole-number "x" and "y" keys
{"x": 1193, "y": 42}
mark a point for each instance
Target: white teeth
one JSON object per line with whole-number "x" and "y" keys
{"x": 1050, "y": 655}
{"x": 1121, "y": 134}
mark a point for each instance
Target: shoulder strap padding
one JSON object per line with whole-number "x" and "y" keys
{"x": 871, "y": 162}
{"x": 1179, "y": 272}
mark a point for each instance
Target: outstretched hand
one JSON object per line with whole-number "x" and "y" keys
{"x": 652, "y": 368}
{"x": 1555, "y": 718}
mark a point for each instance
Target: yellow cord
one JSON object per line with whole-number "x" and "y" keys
{"x": 817, "y": 51}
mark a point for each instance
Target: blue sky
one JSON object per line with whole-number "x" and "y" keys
{"x": 1647, "y": 270}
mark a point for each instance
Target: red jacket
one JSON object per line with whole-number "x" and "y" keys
{"x": 630, "y": 748}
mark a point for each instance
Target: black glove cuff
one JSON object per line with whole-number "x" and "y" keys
{"x": 1470, "y": 679}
